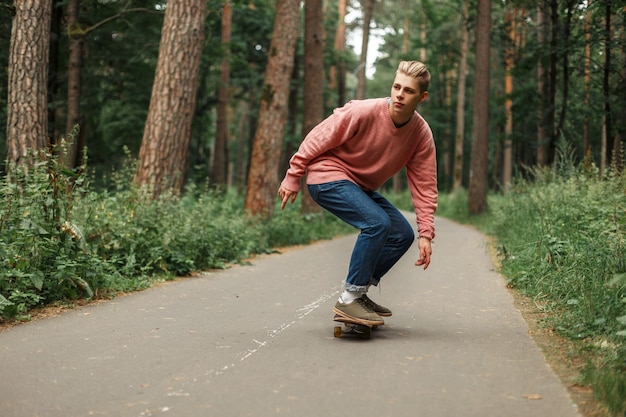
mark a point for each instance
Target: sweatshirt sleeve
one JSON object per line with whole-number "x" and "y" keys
{"x": 330, "y": 133}
{"x": 422, "y": 178}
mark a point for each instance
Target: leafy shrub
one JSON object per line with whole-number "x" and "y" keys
{"x": 62, "y": 240}
{"x": 42, "y": 250}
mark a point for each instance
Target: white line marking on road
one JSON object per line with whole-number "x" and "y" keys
{"x": 300, "y": 314}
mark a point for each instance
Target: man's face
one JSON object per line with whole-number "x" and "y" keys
{"x": 405, "y": 95}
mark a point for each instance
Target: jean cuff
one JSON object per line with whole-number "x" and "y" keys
{"x": 356, "y": 288}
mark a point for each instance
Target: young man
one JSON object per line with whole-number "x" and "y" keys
{"x": 351, "y": 154}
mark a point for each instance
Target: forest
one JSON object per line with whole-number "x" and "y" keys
{"x": 555, "y": 70}
{"x": 144, "y": 138}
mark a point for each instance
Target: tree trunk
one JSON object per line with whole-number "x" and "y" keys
{"x": 543, "y": 126}
{"x": 27, "y": 106}
{"x": 459, "y": 139}
{"x": 398, "y": 178}
{"x": 220, "y": 152}
{"x": 241, "y": 165}
{"x": 167, "y": 134}
{"x": 55, "y": 74}
{"x": 76, "y": 35}
{"x": 263, "y": 175}
{"x": 587, "y": 79}
{"x": 337, "y": 73}
{"x": 313, "y": 96}
{"x": 620, "y": 134}
{"x": 423, "y": 37}
{"x": 606, "y": 91}
{"x": 480, "y": 130}
{"x": 507, "y": 153}
{"x": 567, "y": 29}
{"x": 293, "y": 108}
{"x": 446, "y": 145}
{"x": 554, "y": 59}
{"x": 368, "y": 14}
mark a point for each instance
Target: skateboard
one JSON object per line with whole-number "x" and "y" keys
{"x": 352, "y": 328}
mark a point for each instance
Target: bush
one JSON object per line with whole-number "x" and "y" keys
{"x": 43, "y": 252}
{"x": 62, "y": 240}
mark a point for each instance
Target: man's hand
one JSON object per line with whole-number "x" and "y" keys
{"x": 425, "y": 252}
{"x": 286, "y": 195}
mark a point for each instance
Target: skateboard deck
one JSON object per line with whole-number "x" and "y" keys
{"x": 352, "y": 328}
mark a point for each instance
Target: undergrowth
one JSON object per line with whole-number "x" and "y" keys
{"x": 62, "y": 240}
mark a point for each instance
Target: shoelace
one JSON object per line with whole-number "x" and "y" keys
{"x": 368, "y": 302}
{"x": 365, "y": 305}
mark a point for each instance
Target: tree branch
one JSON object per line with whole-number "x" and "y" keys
{"x": 82, "y": 31}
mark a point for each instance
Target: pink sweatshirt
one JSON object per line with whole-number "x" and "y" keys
{"x": 360, "y": 143}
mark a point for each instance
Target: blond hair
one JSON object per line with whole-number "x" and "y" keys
{"x": 416, "y": 70}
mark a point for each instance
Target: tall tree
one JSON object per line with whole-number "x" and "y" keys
{"x": 76, "y": 36}
{"x": 398, "y": 178}
{"x": 459, "y": 138}
{"x": 337, "y": 77}
{"x": 548, "y": 30}
{"x": 606, "y": 89}
{"x": 55, "y": 77}
{"x": 510, "y": 19}
{"x": 587, "y": 78}
{"x": 167, "y": 133}
{"x": 570, "y": 7}
{"x": 263, "y": 175}
{"x": 220, "y": 152}
{"x": 478, "y": 185}
{"x": 27, "y": 107}
{"x": 545, "y": 122}
{"x": 368, "y": 15}
{"x": 313, "y": 95}
{"x": 620, "y": 134}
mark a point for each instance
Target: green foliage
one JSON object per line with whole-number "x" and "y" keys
{"x": 62, "y": 240}
{"x": 43, "y": 253}
{"x": 562, "y": 241}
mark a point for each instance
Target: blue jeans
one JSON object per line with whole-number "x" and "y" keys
{"x": 385, "y": 235}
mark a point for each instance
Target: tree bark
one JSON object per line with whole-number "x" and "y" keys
{"x": 337, "y": 72}
{"x": 606, "y": 91}
{"x": 340, "y": 45}
{"x": 27, "y": 106}
{"x": 480, "y": 130}
{"x": 220, "y": 153}
{"x": 507, "y": 153}
{"x": 398, "y": 178}
{"x": 263, "y": 175}
{"x": 587, "y": 79}
{"x": 368, "y": 14}
{"x": 167, "y": 134}
{"x": 544, "y": 123}
{"x": 567, "y": 30}
{"x": 55, "y": 73}
{"x": 459, "y": 138}
{"x": 313, "y": 96}
{"x": 76, "y": 35}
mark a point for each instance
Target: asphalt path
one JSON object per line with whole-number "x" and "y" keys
{"x": 257, "y": 340}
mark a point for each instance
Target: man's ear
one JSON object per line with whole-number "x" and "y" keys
{"x": 424, "y": 97}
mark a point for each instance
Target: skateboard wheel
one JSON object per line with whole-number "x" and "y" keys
{"x": 367, "y": 333}
{"x": 337, "y": 331}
